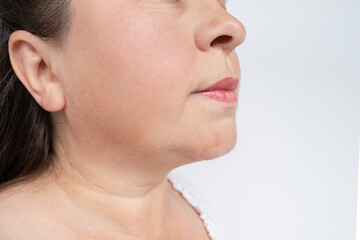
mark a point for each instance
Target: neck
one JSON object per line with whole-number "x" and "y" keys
{"x": 106, "y": 194}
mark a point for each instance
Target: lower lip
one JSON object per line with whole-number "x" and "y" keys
{"x": 224, "y": 96}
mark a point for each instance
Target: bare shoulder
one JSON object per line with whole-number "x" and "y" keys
{"x": 28, "y": 210}
{"x": 13, "y": 200}
{"x": 13, "y": 209}
{"x": 22, "y": 213}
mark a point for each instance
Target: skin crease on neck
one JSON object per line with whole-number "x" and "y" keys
{"x": 127, "y": 75}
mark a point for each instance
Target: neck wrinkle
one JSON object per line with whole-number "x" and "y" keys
{"x": 139, "y": 210}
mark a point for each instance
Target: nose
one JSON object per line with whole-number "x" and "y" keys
{"x": 219, "y": 29}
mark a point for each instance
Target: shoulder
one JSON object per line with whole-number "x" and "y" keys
{"x": 13, "y": 200}
{"x": 24, "y": 213}
{"x": 14, "y": 207}
{"x": 198, "y": 199}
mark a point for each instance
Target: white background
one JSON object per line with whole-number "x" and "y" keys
{"x": 293, "y": 172}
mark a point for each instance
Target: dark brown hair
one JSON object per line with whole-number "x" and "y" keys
{"x": 26, "y": 128}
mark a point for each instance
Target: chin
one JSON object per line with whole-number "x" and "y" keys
{"x": 202, "y": 142}
{"x": 216, "y": 146}
{"x": 209, "y": 153}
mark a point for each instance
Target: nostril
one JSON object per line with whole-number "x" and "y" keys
{"x": 221, "y": 39}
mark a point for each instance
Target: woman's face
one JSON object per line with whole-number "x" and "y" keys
{"x": 130, "y": 68}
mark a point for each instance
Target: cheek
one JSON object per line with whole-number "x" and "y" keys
{"x": 154, "y": 58}
{"x": 134, "y": 74}
{"x": 146, "y": 64}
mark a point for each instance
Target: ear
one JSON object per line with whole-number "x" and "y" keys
{"x": 30, "y": 58}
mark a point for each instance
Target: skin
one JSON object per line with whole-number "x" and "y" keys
{"x": 120, "y": 93}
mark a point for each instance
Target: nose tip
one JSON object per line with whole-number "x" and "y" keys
{"x": 233, "y": 35}
{"x": 224, "y": 31}
{"x": 241, "y": 31}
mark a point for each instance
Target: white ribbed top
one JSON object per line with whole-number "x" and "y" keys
{"x": 188, "y": 191}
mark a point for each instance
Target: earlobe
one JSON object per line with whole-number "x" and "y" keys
{"x": 52, "y": 97}
{"x": 30, "y": 58}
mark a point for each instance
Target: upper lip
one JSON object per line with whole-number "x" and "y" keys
{"x": 227, "y": 84}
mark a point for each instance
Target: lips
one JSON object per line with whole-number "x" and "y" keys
{"x": 226, "y": 84}
{"x": 222, "y": 90}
